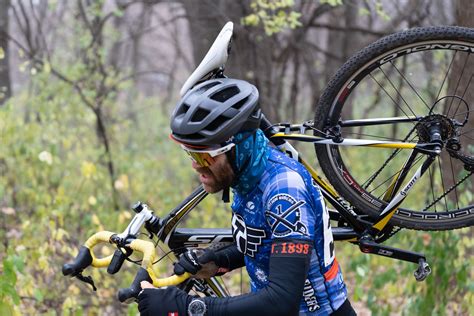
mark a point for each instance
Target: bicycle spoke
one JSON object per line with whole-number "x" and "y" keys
{"x": 463, "y": 94}
{"x": 454, "y": 180}
{"x": 417, "y": 160}
{"x": 446, "y": 75}
{"x": 442, "y": 182}
{"x": 448, "y": 191}
{"x": 388, "y": 94}
{"x": 463, "y": 113}
{"x": 464, "y": 134}
{"x": 410, "y": 85}
{"x": 369, "y": 181}
{"x": 458, "y": 82}
{"x": 431, "y": 186}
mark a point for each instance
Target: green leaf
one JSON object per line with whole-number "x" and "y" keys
{"x": 6, "y": 308}
{"x": 38, "y": 295}
{"x": 18, "y": 263}
{"x": 360, "y": 271}
{"x": 331, "y": 2}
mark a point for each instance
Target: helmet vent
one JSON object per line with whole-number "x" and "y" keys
{"x": 239, "y": 104}
{"x": 225, "y": 94}
{"x": 200, "y": 115}
{"x": 207, "y": 87}
{"x": 182, "y": 109}
{"x": 218, "y": 122}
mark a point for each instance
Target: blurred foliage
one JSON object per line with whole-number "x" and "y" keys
{"x": 273, "y": 15}
{"x": 55, "y": 185}
{"x": 389, "y": 287}
{"x": 55, "y": 192}
{"x": 331, "y": 2}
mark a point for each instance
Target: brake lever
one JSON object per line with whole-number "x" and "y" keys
{"x": 86, "y": 279}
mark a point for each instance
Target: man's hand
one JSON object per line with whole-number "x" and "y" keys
{"x": 200, "y": 263}
{"x": 153, "y": 301}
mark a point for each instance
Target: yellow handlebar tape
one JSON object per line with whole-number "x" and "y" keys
{"x": 172, "y": 280}
{"x": 95, "y": 239}
{"x": 148, "y": 250}
{"x": 143, "y": 246}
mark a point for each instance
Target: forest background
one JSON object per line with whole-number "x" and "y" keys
{"x": 86, "y": 89}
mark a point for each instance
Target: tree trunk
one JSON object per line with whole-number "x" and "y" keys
{"x": 343, "y": 44}
{"x": 5, "y": 84}
{"x": 251, "y": 55}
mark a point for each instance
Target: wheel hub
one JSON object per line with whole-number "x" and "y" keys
{"x": 445, "y": 126}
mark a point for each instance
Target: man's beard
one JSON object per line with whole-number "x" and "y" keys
{"x": 220, "y": 177}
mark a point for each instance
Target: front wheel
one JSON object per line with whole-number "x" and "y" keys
{"x": 395, "y": 90}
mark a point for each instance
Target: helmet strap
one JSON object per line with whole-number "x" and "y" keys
{"x": 226, "y": 195}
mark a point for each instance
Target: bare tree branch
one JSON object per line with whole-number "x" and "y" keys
{"x": 349, "y": 29}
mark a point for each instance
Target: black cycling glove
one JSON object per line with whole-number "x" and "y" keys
{"x": 226, "y": 259}
{"x": 189, "y": 262}
{"x": 154, "y": 302}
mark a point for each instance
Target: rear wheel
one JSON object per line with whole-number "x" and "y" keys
{"x": 415, "y": 78}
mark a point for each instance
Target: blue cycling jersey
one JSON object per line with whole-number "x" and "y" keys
{"x": 287, "y": 204}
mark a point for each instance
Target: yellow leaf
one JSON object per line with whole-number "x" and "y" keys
{"x": 64, "y": 249}
{"x": 2, "y": 53}
{"x": 26, "y": 224}
{"x": 23, "y": 66}
{"x": 88, "y": 169}
{"x": 73, "y": 289}
{"x": 95, "y": 220}
{"x": 70, "y": 303}
{"x": 20, "y": 248}
{"x": 47, "y": 68}
{"x": 43, "y": 263}
{"x": 122, "y": 182}
{"x": 123, "y": 216}
{"x": 92, "y": 200}
{"x": 60, "y": 233}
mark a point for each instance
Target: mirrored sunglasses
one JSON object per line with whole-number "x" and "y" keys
{"x": 205, "y": 157}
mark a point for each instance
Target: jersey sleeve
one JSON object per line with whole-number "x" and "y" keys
{"x": 289, "y": 210}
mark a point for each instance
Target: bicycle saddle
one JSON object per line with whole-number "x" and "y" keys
{"x": 215, "y": 58}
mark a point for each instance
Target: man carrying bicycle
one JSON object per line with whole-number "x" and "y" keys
{"x": 280, "y": 224}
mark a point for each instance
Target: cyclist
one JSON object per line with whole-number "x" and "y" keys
{"x": 279, "y": 221}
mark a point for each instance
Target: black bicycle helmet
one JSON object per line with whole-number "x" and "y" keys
{"x": 214, "y": 111}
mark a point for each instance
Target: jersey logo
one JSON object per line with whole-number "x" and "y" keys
{"x": 310, "y": 296}
{"x": 286, "y": 217}
{"x": 246, "y": 238}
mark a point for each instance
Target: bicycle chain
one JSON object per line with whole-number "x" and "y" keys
{"x": 386, "y": 236}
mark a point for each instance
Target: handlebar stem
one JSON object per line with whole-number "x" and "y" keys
{"x": 146, "y": 214}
